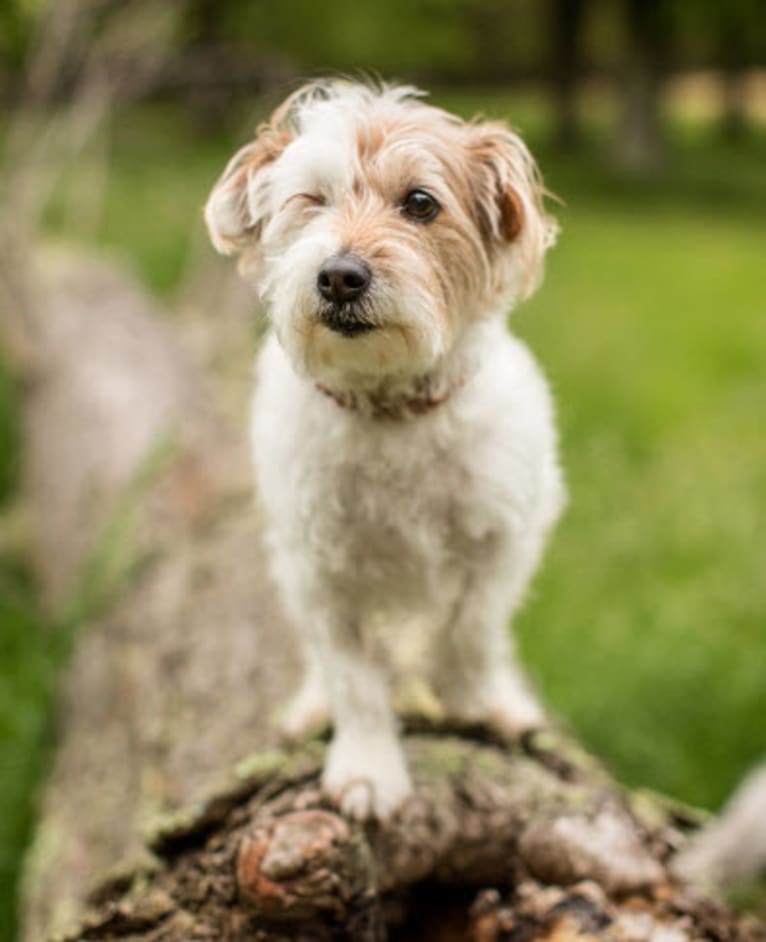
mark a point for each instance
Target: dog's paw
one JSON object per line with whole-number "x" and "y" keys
{"x": 366, "y": 778}
{"x": 515, "y": 715}
{"x": 510, "y": 709}
{"x": 306, "y": 714}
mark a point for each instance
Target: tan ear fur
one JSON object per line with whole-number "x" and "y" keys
{"x": 509, "y": 192}
{"x": 231, "y": 215}
{"x": 511, "y": 215}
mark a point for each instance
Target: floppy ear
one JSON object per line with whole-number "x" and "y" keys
{"x": 235, "y": 209}
{"x": 509, "y": 193}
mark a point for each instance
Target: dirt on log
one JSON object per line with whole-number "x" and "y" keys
{"x": 171, "y": 812}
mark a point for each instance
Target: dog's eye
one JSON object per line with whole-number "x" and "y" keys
{"x": 420, "y": 205}
{"x": 308, "y": 199}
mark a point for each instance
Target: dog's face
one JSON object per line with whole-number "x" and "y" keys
{"x": 376, "y": 227}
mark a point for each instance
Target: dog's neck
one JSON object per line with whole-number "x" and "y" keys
{"x": 406, "y": 398}
{"x": 422, "y": 397}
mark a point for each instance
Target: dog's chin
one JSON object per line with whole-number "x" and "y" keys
{"x": 346, "y": 321}
{"x": 355, "y": 353}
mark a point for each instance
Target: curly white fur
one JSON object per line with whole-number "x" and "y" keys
{"x": 435, "y": 512}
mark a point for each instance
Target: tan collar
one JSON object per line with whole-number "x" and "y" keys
{"x": 395, "y": 406}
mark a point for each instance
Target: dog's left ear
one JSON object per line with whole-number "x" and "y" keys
{"x": 509, "y": 192}
{"x": 236, "y": 210}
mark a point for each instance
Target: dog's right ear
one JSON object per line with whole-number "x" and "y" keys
{"x": 236, "y": 208}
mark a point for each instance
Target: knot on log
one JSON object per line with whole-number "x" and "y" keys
{"x": 304, "y": 863}
{"x": 604, "y": 847}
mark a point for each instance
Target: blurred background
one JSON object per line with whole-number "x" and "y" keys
{"x": 647, "y": 629}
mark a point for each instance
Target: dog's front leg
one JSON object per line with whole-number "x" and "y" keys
{"x": 308, "y": 711}
{"x": 474, "y": 668}
{"x": 365, "y": 771}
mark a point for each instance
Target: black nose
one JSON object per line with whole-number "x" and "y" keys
{"x": 343, "y": 278}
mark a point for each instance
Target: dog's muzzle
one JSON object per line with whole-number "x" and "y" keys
{"x": 342, "y": 282}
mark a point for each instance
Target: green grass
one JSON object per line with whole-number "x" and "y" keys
{"x": 28, "y": 663}
{"x": 647, "y": 627}
{"x": 27, "y": 673}
{"x": 150, "y": 214}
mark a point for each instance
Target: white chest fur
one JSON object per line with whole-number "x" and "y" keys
{"x": 390, "y": 509}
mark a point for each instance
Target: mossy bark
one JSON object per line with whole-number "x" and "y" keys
{"x": 500, "y": 841}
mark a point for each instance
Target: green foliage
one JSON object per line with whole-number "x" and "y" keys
{"x": 398, "y": 37}
{"x": 29, "y": 658}
{"x": 16, "y": 18}
{"x": 155, "y": 160}
{"x": 28, "y": 667}
{"x": 708, "y": 31}
{"x": 466, "y": 41}
{"x": 647, "y": 627}
{"x": 472, "y": 40}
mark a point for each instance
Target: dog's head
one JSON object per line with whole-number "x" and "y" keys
{"x": 376, "y": 227}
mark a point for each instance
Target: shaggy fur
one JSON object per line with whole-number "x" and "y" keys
{"x": 409, "y": 471}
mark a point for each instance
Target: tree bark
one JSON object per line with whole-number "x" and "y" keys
{"x": 566, "y": 18}
{"x": 640, "y": 144}
{"x": 171, "y": 811}
{"x": 142, "y": 525}
{"x": 733, "y": 54}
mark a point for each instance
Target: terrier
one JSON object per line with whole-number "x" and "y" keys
{"x": 405, "y": 444}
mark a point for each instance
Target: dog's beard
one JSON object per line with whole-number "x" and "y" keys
{"x": 366, "y": 350}
{"x": 396, "y": 330}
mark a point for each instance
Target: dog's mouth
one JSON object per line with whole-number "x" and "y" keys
{"x": 346, "y": 320}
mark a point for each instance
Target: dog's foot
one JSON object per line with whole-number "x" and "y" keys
{"x": 307, "y": 713}
{"x": 510, "y": 709}
{"x": 515, "y": 711}
{"x": 366, "y": 777}
{"x": 514, "y": 722}
{"x": 414, "y": 697}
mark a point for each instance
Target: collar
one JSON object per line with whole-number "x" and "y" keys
{"x": 419, "y": 400}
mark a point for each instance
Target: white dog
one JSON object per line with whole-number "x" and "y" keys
{"x": 405, "y": 444}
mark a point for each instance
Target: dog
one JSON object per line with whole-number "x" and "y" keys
{"x": 405, "y": 444}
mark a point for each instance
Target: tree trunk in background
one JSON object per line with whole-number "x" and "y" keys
{"x": 485, "y": 24}
{"x": 734, "y": 123}
{"x": 640, "y": 143}
{"x": 566, "y": 18}
{"x": 732, "y": 38}
{"x": 170, "y": 814}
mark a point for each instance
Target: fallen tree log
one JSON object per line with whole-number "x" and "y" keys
{"x": 269, "y": 859}
{"x": 171, "y": 811}
{"x": 142, "y": 526}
